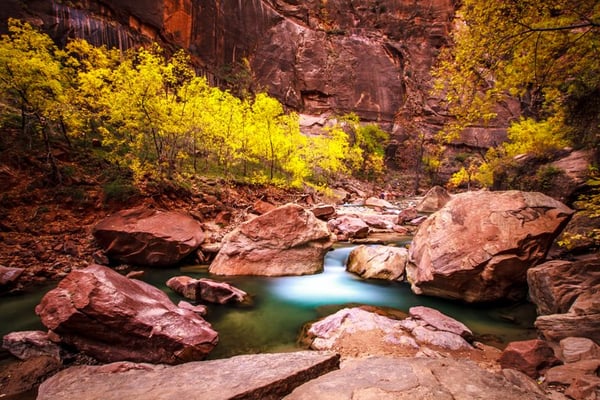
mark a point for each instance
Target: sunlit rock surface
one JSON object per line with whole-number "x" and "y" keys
{"x": 288, "y": 240}
{"x": 378, "y": 262}
{"x": 112, "y": 318}
{"x": 390, "y": 378}
{"x": 479, "y": 246}
{"x": 258, "y": 376}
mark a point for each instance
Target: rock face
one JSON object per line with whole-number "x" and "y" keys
{"x": 207, "y": 290}
{"x": 566, "y": 296}
{"x": 113, "y": 318}
{"x": 378, "y": 262}
{"x": 479, "y": 246}
{"x": 415, "y": 379}
{"x": 286, "y": 241}
{"x": 148, "y": 237}
{"x": 260, "y": 376}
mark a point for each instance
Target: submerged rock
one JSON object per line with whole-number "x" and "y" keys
{"x": 288, "y": 240}
{"x": 207, "y": 290}
{"x": 479, "y": 246}
{"x": 148, "y": 237}
{"x": 378, "y": 262}
{"x": 258, "y": 376}
{"x": 113, "y": 318}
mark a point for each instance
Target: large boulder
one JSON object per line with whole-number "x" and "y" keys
{"x": 532, "y": 357}
{"x": 148, "y": 237}
{"x": 113, "y": 318}
{"x": 288, "y": 240}
{"x": 479, "y": 246}
{"x": 378, "y": 262}
{"x": 566, "y": 296}
{"x": 256, "y": 376}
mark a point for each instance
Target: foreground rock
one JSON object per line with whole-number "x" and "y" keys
{"x": 532, "y": 357}
{"x": 479, "y": 246}
{"x": 261, "y": 376}
{"x": 358, "y": 331}
{"x": 286, "y": 241}
{"x": 410, "y": 378}
{"x": 148, "y": 237}
{"x": 378, "y": 262}
{"x": 566, "y": 296}
{"x": 113, "y": 318}
{"x": 207, "y": 290}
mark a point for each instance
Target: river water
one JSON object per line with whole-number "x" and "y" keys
{"x": 282, "y": 305}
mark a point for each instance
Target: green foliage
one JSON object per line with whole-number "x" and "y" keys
{"x": 544, "y": 54}
{"x": 365, "y": 154}
{"x": 119, "y": 190}
{"x": 159, "y": 120}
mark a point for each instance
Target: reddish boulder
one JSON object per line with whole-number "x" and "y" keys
{"x": 113, "y": 318}
{"x": 323, "y": 211}
{"x": 207, "y": 290}
{"x": 288, "y": 240}
{"x": 148, "y": 237}
{"x": 479, "y": 246}
{"x": 531, "y": 357}
{"x": 440, "y": 322}
{"x": 348, "y": 227}
{"x": 580, "y": 379}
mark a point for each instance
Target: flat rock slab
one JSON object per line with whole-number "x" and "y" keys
{"x": 387, "y": 378}
{"x": 260, "y": 376}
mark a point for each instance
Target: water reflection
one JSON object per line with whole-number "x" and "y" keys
{"x": 283, "y": 305}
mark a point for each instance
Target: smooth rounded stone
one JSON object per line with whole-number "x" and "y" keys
{"x": 112, "y": 318}
{"x": 478, "y": 247}
{"x": 387, "y": 378}
{"x": 257, "y": 376}
{"x": 378, "y": 262}
{"x": 28, "y": 344}
{"x": 148, "y": 237}
{"x": 288, "y": 240}
{"x": 575, "y": 349}
{"x": 433, "y": 200}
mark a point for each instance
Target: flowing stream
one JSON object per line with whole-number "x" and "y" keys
{"x": 282, "y": 305}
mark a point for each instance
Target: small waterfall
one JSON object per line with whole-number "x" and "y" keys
{"x": 77, "y": 23}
